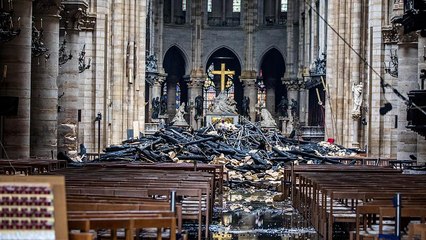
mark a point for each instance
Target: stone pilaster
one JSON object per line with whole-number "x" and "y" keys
{"x": 421, "y": 141}
{"x": 171, "y": 96}
{"x": 250, "y": 90}
{"x": 195, "y": 89}
{"x": 407, "y": 81}
{"x": 293, "y": 88}
{"x": 69, "y": 81}
{"x": 16, "y": 54}
{"x": 44, "y": 89}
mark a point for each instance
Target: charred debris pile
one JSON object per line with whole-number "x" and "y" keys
{"x": 249, "y": 153}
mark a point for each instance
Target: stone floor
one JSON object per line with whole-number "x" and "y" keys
{"x": 251, "y": 214}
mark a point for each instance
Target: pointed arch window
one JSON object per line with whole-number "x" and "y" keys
{"x": 236, "y": 6}
{"x": 261, "y": 92}
{"x": 209, "y": 6}
{"x": 178, "y": 93}
{"x": 284, "y": 5}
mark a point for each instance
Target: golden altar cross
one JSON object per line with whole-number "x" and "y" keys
{"x": 223, "y": 73}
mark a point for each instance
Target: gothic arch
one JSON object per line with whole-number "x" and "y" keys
{"x": 175, "y": 87}
{"x": 271, "y": 70}
{"x": 262, "y": 56}
{"x": 227, "y": 56}
{"x": 183, "y": 53}
{"x": 219, "y": 48}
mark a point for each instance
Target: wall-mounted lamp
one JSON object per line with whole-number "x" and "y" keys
{"x": 63, "y": 57}
{"x": 82, "y": 66}
{"x": 391, "y": 67}
{"x": 7, "y": 29}
{"x": 37, "y": 45}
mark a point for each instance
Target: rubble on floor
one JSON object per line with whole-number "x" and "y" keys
{"x": 251, "y": 155}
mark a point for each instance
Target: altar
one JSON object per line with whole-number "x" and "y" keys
{"x": 212, "y": 118}
{"x": 224, "y": 108}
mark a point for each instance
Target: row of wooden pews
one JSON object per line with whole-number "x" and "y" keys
{"x": 134, "y": 197}
{"x": 30, "y": 166}
{"x": 355, "y": 195}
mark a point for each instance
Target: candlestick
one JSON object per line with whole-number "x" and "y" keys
{"x": 19, "y": 22}
{"x": 323, "y": 83}
{"x": 41, "y": 22}
{"x": 4, "y": 71}
{"x": 319, "y": 97}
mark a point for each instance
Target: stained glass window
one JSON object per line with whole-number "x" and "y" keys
{"x": 284, "y": 5}
{"x": 261, "y": 92}
{"x": 178, "y": 92}
{"x": 183, "y": 5}
{"x": 209, "y": 93}
{"x": 236, "y": 6}
{"x": 209, "y": 5}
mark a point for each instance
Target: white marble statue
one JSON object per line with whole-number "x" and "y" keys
{"x": 357, "y": 99}
{"x": 267, "y": 119}
{"x": 179, "y": 119}
{"x": 223, "y": 105}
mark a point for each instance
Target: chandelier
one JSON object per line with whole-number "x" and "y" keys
{"x": 37, "y": 45}
{"x": 7, "y": 29}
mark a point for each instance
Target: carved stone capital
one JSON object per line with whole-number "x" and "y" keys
{"x": 47, "y": 7}
{"x": 390, "y": 35}
{"x": 407, "y": 38}
{"x": 293, "y": 84}
{"x": 89, "y": 22}
{"x": 74, "y": 15}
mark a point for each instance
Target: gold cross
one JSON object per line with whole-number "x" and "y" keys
{"x": 223, "y": 73}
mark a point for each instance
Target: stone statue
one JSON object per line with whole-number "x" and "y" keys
{"x": 151, "y": 63}
{"x": 155, "y": 107}
{"x": 294, "y": 108}
{"x": 163, "y": 105}
{"x": 199, "y": 101}
{"x": 267, "y": 119}
{"x": 357, "y": 101}
{"x": 223, "y": 104}
{"x": 179, "y": 119}
{"x": 283, "y": 107}
{"x": 245, "y": 109}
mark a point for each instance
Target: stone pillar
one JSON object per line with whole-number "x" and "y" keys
{"x": 156, "y": 90}
{"x": 356, "y": 67}
{"x": 69, "y": 82}
{"x": 249, "y": 83}
{"x": 16, "y": 54}
{"x": 407, "y": 81}
{"x": 171, "y": 96}
{"x": 195, "y": 90}
{"x": 44, "y": 89}
{"x": 293, "y": 88}
{"x": 270, "y": 95}
{"x": 421, "y": 141}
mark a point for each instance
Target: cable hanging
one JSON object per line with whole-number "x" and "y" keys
{"x": 383, "y": 84}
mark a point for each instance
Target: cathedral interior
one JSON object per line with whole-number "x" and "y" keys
{"x": 90, "y": 74}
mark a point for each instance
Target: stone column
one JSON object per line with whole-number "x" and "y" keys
{"x": 171, "y": 96}
{"x": 156, "y": 90}
{"x": 356, "y": 66}
{"x": 44, "y": 89}
{"x": 195, "y": 89}
{"x": 421, "y": 141}
{"x": 407, "y": 81}
{"x": 16, "y": 54}
{"x": 69, "y": 82}
{"x": 248, "y": 75}
{"x": 293, "y": 88}
{"x": 270, "y": 95}
{"x": 249, "y": 83}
